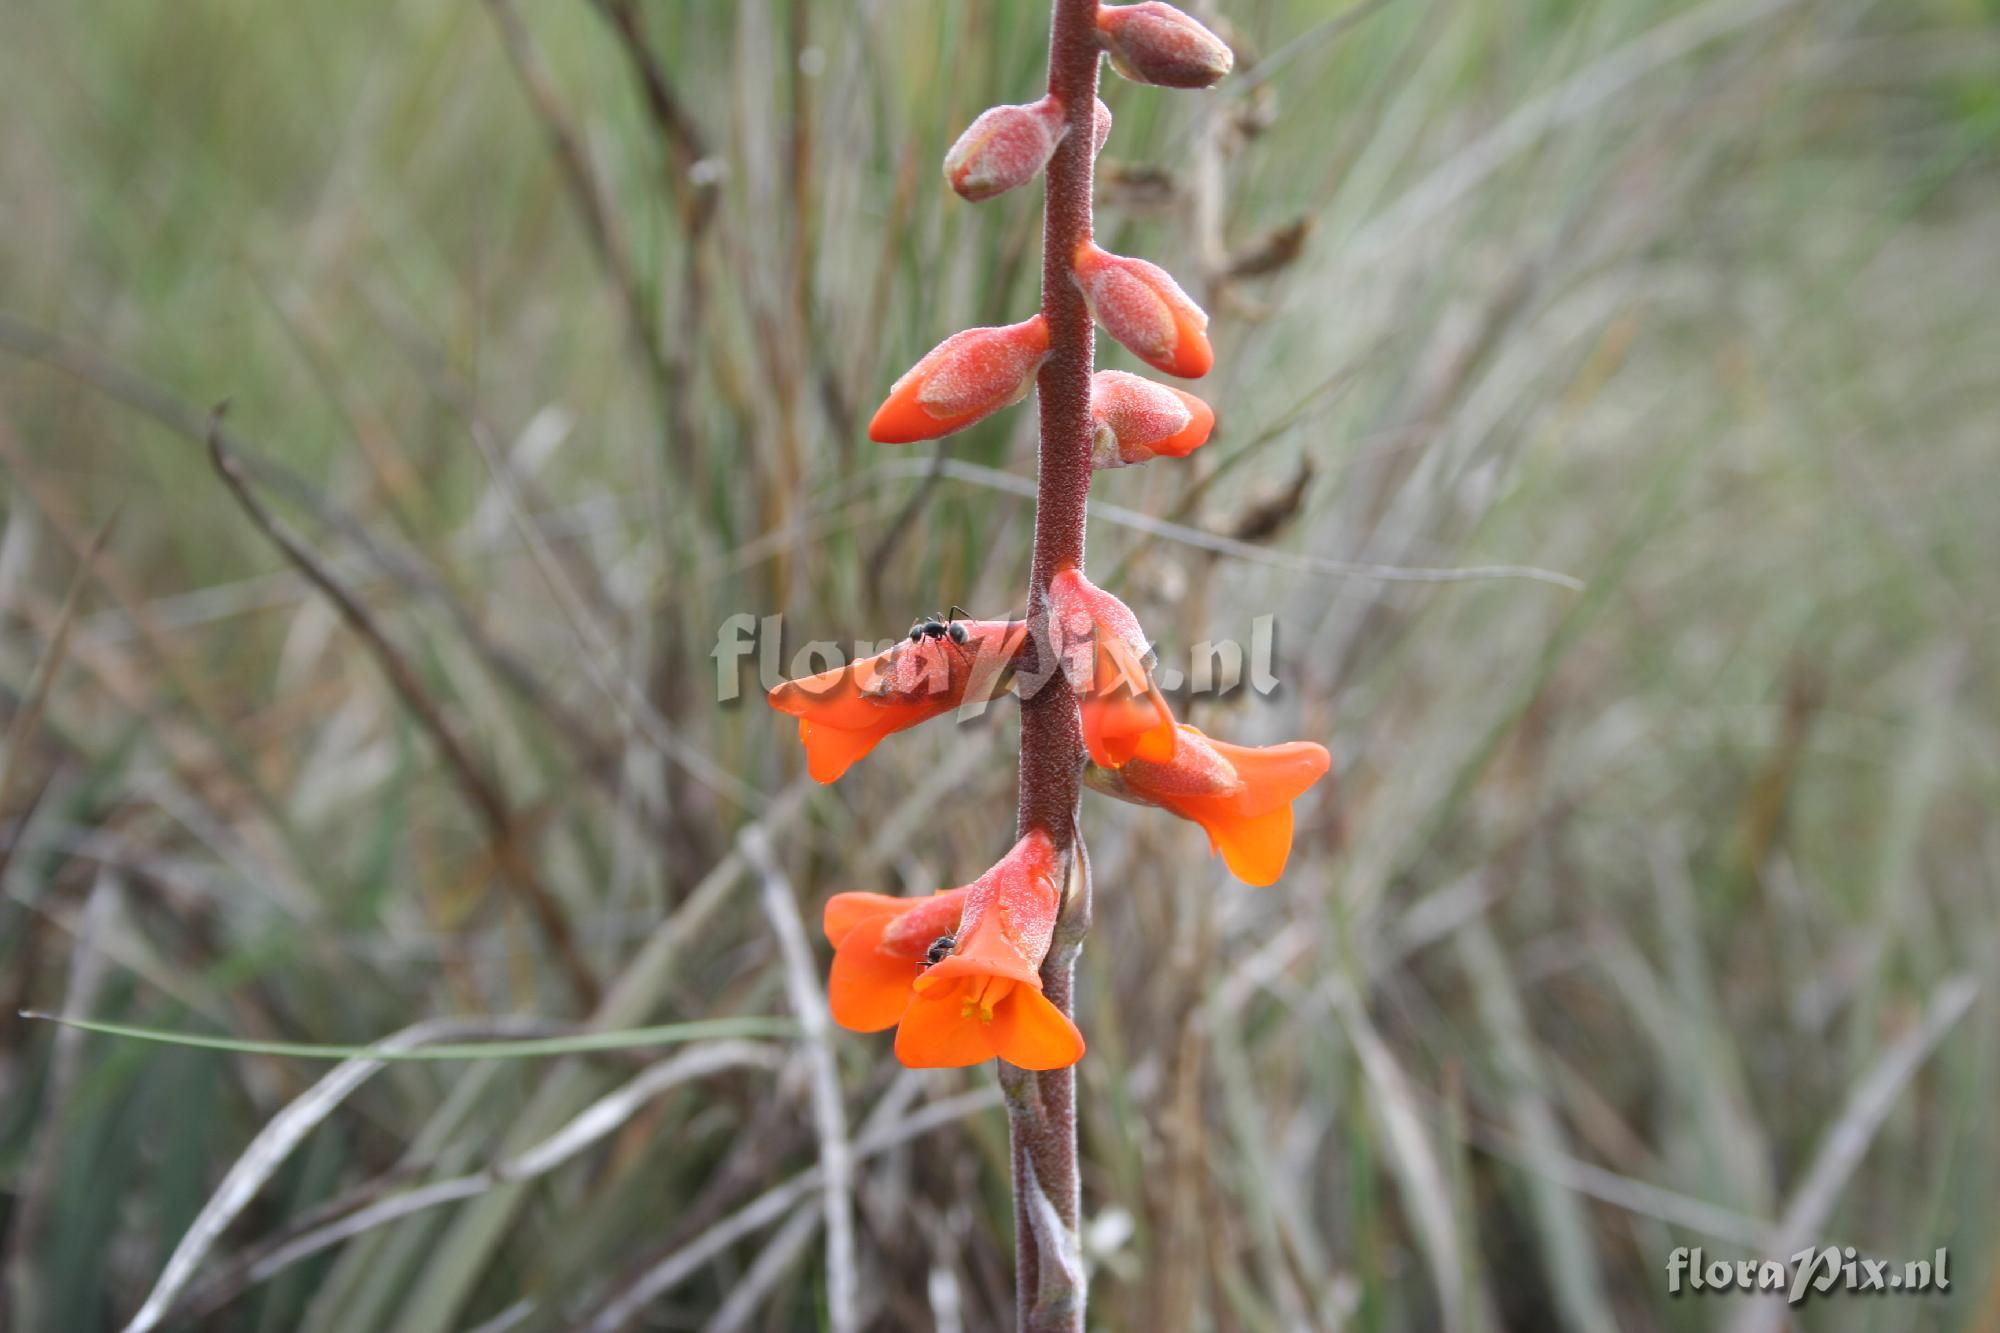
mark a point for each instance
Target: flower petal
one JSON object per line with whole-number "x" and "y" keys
{"x": 1124, "y": 714}
{"x": 831, "y": 751}
{"x": 1030, "y": 1032}
{"x": 845, "y": 712}
{"x": 1274, "y": 775}
{"x": 844, "y": 911}
{"x": 1254, "y": 847}
{"x": 937, "y": 1033}
{"x": 1201, "y": 421}
{"x": 1240, "y": 795}
{"x": 867, "y": 989}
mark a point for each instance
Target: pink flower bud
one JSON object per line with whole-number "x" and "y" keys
{"x": 1003, "y": 148}
{"x": 1141, "y": 306}
{"x": 1158, "y": 44}
{"x": 1100, "y": 128}
{"x": 1134, "y": 419}
{"x": 966, "y": 377}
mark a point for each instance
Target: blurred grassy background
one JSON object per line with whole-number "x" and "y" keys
{"x": 1664, "y": 912}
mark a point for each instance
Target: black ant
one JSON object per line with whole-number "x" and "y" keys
{"x": 940, "y": 946}
{"x": 935, "y": 627}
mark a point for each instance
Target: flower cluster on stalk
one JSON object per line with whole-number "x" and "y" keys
{"x": 958, "y": 973}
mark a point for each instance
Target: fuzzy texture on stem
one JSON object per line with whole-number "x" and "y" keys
{"x": 1041, "y": 1107}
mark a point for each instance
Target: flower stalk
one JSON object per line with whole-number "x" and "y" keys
{"x": 987, "y": 970}
{"x": 1041, "y": 1106}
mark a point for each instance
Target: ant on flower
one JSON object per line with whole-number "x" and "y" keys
{"x": 940, "y": 947}
{"x": 941, "y": 652}
{"x": 933, "y": 626}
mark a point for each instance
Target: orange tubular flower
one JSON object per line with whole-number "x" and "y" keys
{"x": 964, "y": 379}
{"x": 844, "y": 713}
{"x": 984, "y": 998}
{"x": 1142, "y": 306}
{"x": 1134, "y": 419}
{"x": 1241, "y": 796}
{"x": 880, "y": 946}
{"x": 1102, "y": 650}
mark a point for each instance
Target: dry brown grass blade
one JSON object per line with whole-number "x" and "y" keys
{"x": 275, "y": 1143}
{"x": 505, "y": 839}
{"x": 779, "y": 1254}
{"x": 597, "y": 755}
{"x": 32, "y": 1187}
{"x": 593, "y": 202}
{"x": 1419, "y": 1170}
{"x": 1577, "y": 96}
{"x": 678, "y": 132}
{"x": 21, "y": 729}
{"x": 1847, "y": 1139}
{"x": 808, "y": 1001}
{"x": 1298, "y": 562}
{"x": 590, "y": 1125}
{"x": 594, "y": 641}
{"x": 1562, "y": 1223}
{"x": 662, "y": 1276}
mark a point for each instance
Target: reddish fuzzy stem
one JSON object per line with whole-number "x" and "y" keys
{"x": 1051, "y": 741}
{"x": 1042, "y": 1107}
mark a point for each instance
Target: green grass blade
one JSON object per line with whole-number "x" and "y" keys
{"x": 622, "y": 1039}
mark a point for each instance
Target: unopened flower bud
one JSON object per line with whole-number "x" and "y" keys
{"x": 1155, "y": 43}
{"x": 1141, "y": 306}
{"x": 1100, "y": 128}
{"x": 1133, "y": 419}
{"x": 963, "y": 379}
{"x": 1003, "y": 148}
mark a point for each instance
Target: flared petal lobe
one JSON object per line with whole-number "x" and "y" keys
{"x": 941, "y": 1030}
{"x": 844, "y": 713}
{"x": 1142, "y": 306}
{"x": 963, "y": 380}
{"x": 1240, "y": 795}
{"x": 953, "y": 1025}
{"x": 1102, "y": 650}
{"x": 1133, "y": 419}
{"x": 1032, "y": 1033}
{"x": 844, "y": 911}
{"x": 880, "y": 947}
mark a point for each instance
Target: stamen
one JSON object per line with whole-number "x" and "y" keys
{"x": 982, "y": 995}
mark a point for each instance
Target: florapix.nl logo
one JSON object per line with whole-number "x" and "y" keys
{"x": 751, "y": 656}
{"x": 1814, "y": 1271}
